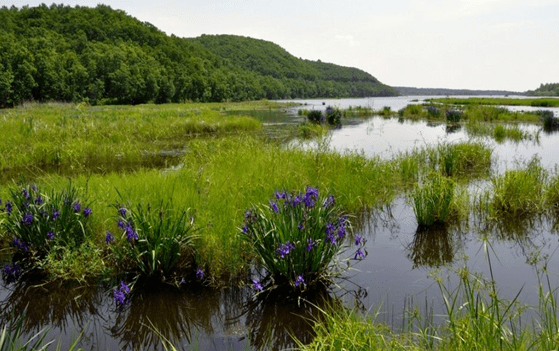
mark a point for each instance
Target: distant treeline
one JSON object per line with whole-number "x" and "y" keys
{"x": 441, "y": 91}
{"x": 101, "y": 55}
{"x": 550, "y": 89}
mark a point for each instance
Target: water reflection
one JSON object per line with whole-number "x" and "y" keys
{"x": 432, "y": 247}
{"x": 61, "y": 305}
{"x": 161, "y": 311}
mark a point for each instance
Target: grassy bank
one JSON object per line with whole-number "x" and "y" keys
{"x": 222, "y": 177}
{"x": 75, "y": 135}
{"x": 538, "y": 102}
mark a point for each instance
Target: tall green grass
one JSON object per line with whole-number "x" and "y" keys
{"x": 544, "y": 102}
{"x": 77, "y": 135}
{"x": 476, "y": 317}
{"x": 518, "y": 193}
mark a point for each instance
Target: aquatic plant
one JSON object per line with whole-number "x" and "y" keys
{"x": 453, "y": 116}
{"x": 297, "y": 238}
{"x": 152, "y": 240}
{"x": 461, "y": 158}
{"x": 433, "y": 111}
{"x": 316, "y": 116}
{"x": 432, "y": 201}
{"x": 516, "y": 193}
{"x": 120, "y": 295}
{"x": 333, "y": 116}
{"x": 40, "y": 223}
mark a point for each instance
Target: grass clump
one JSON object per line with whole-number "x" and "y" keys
{"x": 298, "y": 237}
{"x": 516, "y": 193}
{"x": 152, "y": 241}
{"x": 42, "y": 225}
{"x": 461, "y": 158}
{"x": 543, "y": 102}
{"x": 433, "y": 201}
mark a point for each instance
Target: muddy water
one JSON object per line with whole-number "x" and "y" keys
{"x": 395, "y": 274}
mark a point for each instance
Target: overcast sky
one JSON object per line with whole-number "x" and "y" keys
{"x": 470, "y": 44}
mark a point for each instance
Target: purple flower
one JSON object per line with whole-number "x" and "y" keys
{"x": 359, "y": 254}
{"x": 284, "y": 249}
{"x": 358, "y": 239}
{"x": 199, "y": 274}
{"x": 120, "y": 298}
{"x": 280, "y": 195}
{"x": 274, "y": 207}
{"x": 77, "y": 207}
{"x": 50, "y": 235}
{"x": 124, "y": 287}
{"x": 308, "y": 201}
{"x": 301, "y": 226}
{"x": 55, "y": 215}
{"x": 109, "y": 237}
{"x": 131, "y": 234}
{"x": 11, "y": 272}
{"x": 120, "y": 223}
{"x": 300, "y": 281}
{"x": 248, "y": 214}
{"x": 9, "y": 207}
{"x": 296, "y": 201}
{"x": 183, "y": 281}
{"x": 39, "y": 200}
{"x": 310, "y": 244}
{"x": 26, "y": 194}
{"x": 312, "y": 192}
{"x": 330, "y": 228}
{"x": 122, "y": 211}
{"x": 20, "y": 244}
{"x": 33, "y": 187}
{"x": 87, "y": 212}
{"x": 27, "y": 219}
{"x": 245, "y": 229}
{"x": 341, "y": 232}
{"x": 330, "y": 201}
{"x": 257, "y": 285}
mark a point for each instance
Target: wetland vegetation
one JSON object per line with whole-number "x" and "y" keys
{"x": 188, "y": 225}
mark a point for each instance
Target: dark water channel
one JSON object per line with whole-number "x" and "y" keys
{"x": 395, "y": 274}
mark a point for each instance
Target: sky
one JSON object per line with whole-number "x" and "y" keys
{"x": 458, "y": 44}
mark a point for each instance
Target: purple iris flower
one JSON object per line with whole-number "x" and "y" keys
{"x": 300, "y": 281}
{"x": 131, "y": 234}
{"x": 20, "y": 244}
{"x": 122, "y": 211}
{"x": 87, "y": 212}
{"x": 77, "y": 207}
{"x": 39, "y": 200}
{"x": 55, "y": 215}
{"x": 284, "y": 249}
{"x": 274, "y": 207}
{"x": 199, "y": 274}
{"x": 109, "y": 237}
{"x": 310, "y": 244}
{"x": 9, "y": 207}
{"x": 359, "y": 254}
{"x": 26, "y": 194}
{"x": 257, "y": 285}
{"x": 50, "y": 235}
{"x": 27, "y": 219}
{"x": 358, "y": 239}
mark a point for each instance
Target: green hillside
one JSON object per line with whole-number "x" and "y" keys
{"x": 550, "y": 89}
{"x": 101, "y": 55}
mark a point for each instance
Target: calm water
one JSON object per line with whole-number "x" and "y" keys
{"x": 395, "y": 272}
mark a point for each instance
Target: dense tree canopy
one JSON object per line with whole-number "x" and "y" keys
{"x": 550, "y": 89}
{"x": 101, "y": 55}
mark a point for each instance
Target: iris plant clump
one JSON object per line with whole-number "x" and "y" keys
{"x": 152, "y": 240}
{"x": 40, "y": 223}
{"x": 297, "y": 238}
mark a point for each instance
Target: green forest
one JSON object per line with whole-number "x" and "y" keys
{"x": 550, "y": 89}
{"x": 104, "y": 56}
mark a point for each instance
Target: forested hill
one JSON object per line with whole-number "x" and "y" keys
{"x": 550, "y": 89}
{"x": 102, "y": 55}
